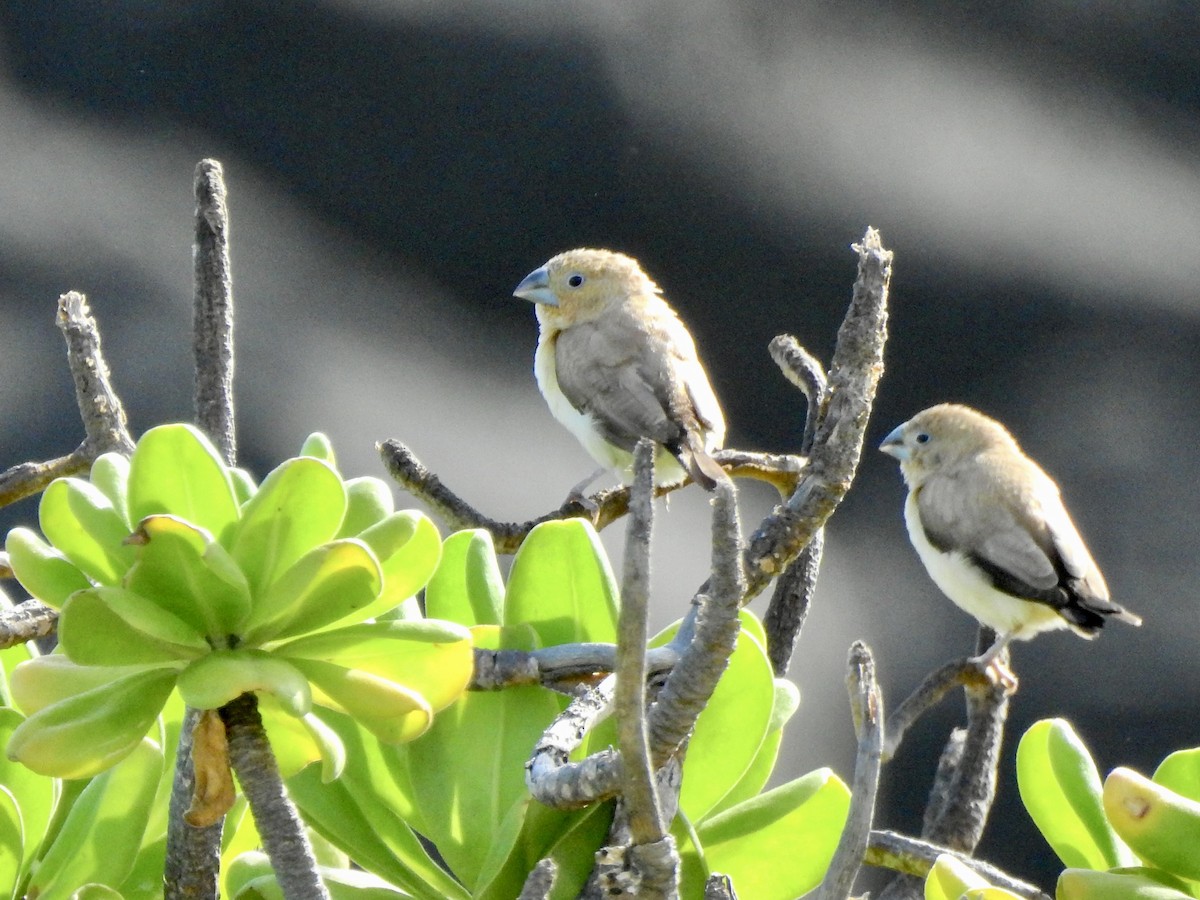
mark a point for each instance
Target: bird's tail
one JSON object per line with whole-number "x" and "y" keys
{"x": 705, "y": 470}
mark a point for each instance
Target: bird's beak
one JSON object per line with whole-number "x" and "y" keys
{"x": 535, "y": 287}
{"x": 893, "y": 444}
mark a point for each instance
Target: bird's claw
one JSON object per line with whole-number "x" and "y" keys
{"x": 997, "y": 673}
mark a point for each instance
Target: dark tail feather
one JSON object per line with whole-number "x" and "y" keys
{"x": 705, "y": 470}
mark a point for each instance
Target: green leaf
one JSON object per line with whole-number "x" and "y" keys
{"x": 97, "y": 892}
{"x": 392, "y": 712}
{"x": 244, "y": 485}
{"x": 81, "y": 522}
{"x": 787, "y": 699}
{"x": 368, "y": 501}
{"x": 42, "y": 570}
{"x": 176, "y": 470}
{"x": 110, "y": 473}
{"x": 298, "y": 741}
{"x": 13, "y": 843}
{"x": 103, "y": 831}
{"x": 88, "y": 732}
{"x": 808, "y": 812}
{"x": 359, "y": 814}
{"x": 223, "y": 675}
{"x": 950, "y": 878}
{"x": 110, "y": 626}
{"x": 187, "y": 572}
{"x": 1180, "y": 772}
{"x": 318, "y": 446}
{"x": 1061, "y": 790}
{"x": 470, "y": 770}
{"x": 333, "y": 582}
{"x": 562, "y": 584}
{"x": 467, "y": 587}
{"x": 433, "y": 658}
{"x": 298, "y": 507}
{"x": 33, "y": 793}
{"x": 407, "y": 546}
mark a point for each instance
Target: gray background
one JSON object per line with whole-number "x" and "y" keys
{"x": 395, "y": 168}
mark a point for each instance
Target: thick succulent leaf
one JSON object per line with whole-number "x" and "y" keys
{"x": 368, "y": 501}
{"x": 300, "y": 741}
{"x": 13, "y": 844}
{"x": 176, "y": 470}
{"x": 809, "y": 812}
{"x": 320, "y": 447}
{"x": 110, "y": 626}
{"x": 485, "y": 732}
{"x": 408, "y": 546}
{"x": 42, "y": 570}
{"x": 80, "y": 521}
{"x": 186, "y": 571}
{"x": 110, "y": 473}
{"x": 467, "y": 587}
{"x": 755, "y": 778}
{"x": 244, "y": 485}
{"x": 213, "y": 680}
{"x": 1060, "y": 787}
{"x": 334, "y": 582}
{"x": 361, "y": 813}
{"x": 561, "y": 583}
{"x": 949, "y": 879}
{"x": 33, "y": 793}
{"x": 299, "y": 506}
{"x": 431, "y": 657}
{"x": 1180, "y": 772}
{"x": 100, "y": 839}
{"x": 88, "y": 732}
{"x": 392, "y": 712}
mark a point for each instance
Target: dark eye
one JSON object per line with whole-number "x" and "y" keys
{"x": 922, "y": 438}
{"x": 575, "y": 280}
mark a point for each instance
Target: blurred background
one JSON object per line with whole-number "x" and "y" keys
{"x": 395, "y": 167}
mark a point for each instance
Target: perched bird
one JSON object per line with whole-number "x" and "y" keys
{"x": 992, "y": 531}
{"x": 615, "y": 365}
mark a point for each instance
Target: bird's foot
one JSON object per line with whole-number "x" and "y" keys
{"x": 584, "y": 502}
{"x": 997, "y": 672}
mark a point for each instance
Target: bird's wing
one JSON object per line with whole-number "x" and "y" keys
{"x": 986, "y": 523}
{"x": 611, "y": 371}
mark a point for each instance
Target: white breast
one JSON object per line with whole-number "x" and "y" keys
{"x": 972, "y": 591}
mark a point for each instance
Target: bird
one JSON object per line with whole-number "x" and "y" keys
{"x": 615, "y": 364}
{"x": 992, "y": 531}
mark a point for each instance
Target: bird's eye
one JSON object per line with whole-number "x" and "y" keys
{"x": 575, "y": 280}
{"x": 922, "y": 438}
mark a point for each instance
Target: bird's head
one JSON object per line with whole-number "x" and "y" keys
{"x": 941, "y": 436}
{"x": 582, "y": 284}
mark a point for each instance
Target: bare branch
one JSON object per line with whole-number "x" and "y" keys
{"x": 866, "y": 704}
{"x": 638, "y": 793}
{"x": 212, "y": 329}
{"x": 540, "y": 882}
{"x": 601, "y": 508}
{"x": 551, "y": 777}
{"x": 935, "y": 686}
{"x": 837, "y": 446}
{"x": 279, "y": 826}
{"x": 790, "y": 602}
{"x": 559, "y": 668}
{"x": 803, "y": 370}
{"x": 99, "y": 407}
{"x": 913, "y": 857}
{"x": 26, "y": 622}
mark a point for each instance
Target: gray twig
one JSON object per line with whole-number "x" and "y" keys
{"x": 629, "y": 699}
{"x": 26, "y": 622}
{"x": 866, "y": 704}
{"x": 212, "y": 332}
{"x": 99, "y": 407}
{"x": 935, "y": 686}
{"x": 601, "y": 509}
{"x": 560, "y": 667}
{"x": 279, "y": 826}
{"x": 915, "y": 858}
{"x": 540, "y": 881}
